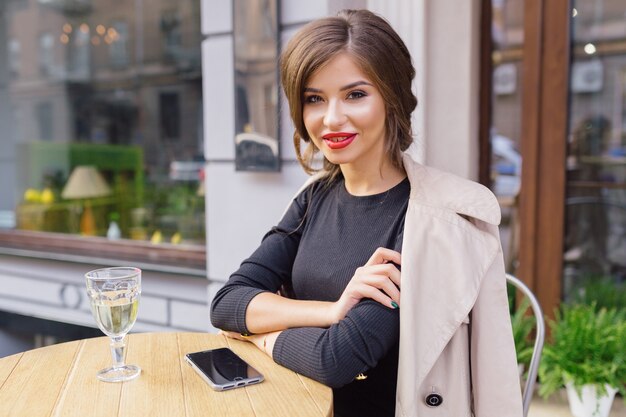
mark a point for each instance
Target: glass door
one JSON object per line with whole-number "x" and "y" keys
{"x": 594, "y": 244}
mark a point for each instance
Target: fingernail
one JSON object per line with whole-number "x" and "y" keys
{"x": 394, "y": 304}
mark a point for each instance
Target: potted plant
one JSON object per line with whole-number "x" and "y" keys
{"x": 586, "y": 355}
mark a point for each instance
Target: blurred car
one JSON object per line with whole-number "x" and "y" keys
{"x": 186, "y": 170}
{"x": 506, "y": 166}
{"x": 256, "y": 152}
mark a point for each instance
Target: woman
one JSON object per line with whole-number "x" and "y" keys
{"x": 369, "y": 220}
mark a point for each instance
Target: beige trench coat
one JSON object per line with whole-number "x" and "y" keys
{"x": 455, "y": 330}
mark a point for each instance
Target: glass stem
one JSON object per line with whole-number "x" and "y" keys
{"x": 117, "y": 351}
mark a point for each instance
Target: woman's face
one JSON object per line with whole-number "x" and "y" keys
{"x": 344, "y": 114}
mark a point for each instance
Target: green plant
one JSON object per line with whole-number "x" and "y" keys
{"x": 523, "y": 324}
{"x": 587, "y": 348}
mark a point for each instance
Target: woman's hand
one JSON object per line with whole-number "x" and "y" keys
{"x": 378, "y": 279}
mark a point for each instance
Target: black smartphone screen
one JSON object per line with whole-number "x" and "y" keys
{"x": 223, "y": 367}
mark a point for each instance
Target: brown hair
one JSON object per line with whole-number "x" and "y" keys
{"x": 378, "y": 51}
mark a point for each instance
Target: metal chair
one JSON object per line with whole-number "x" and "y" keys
{"x": 527, "y": 394}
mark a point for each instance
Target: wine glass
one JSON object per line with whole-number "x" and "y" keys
{"x": 114, "y": 296}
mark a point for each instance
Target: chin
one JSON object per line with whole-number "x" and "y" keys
{"x": 333, "y": 159}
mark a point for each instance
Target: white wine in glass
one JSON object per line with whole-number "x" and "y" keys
{"x": 114, "y": 296}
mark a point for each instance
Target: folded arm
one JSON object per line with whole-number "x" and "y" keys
{"x": 335, "y": 355}
{"x": 250, "y": 305}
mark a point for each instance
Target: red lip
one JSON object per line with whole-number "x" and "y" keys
{"x": 345, "y": 139}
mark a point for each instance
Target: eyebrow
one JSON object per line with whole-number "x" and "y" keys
{"x": 346, "y": 87}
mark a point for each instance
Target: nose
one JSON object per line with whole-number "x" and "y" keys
{"x": 334, "y": 116}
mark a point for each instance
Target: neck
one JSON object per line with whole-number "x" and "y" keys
{"x": 362, "y": 182}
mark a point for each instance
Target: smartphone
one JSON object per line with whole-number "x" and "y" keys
{"x": 222, "y": 369}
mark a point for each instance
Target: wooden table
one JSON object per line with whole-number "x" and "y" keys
{"x": 60, "y": 380}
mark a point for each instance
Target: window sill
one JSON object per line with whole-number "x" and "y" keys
{"x": 183, "y": 259}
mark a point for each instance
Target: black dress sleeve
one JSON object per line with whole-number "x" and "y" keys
{"x": 266, "y": 270}
{"x": 334, "y": 356}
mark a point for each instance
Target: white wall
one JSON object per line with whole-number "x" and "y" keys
{"x": 452, "y": 65}
{"x": 407, "y": 18}
{"x": 443, "y": 39}
{"x": 55, "y": 290}
{"x": 451, "y": 94}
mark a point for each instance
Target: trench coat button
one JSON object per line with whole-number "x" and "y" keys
{"x": 434, "y": 400}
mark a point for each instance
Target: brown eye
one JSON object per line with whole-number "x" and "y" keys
{"x": 312, "y": 99}
{"x": 356, "y": 95}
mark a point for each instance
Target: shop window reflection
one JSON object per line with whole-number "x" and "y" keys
{"x": 94, "y": 92}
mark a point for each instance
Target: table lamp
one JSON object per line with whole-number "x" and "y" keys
{"x": 86, "y": 182}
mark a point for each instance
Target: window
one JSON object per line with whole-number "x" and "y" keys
{"x": 80, "y": 54}
{"x": 169, "y": 109}
{"x": 171, "y": 32}
{"x": 14, "y": 58}
{"x": 117, "y": 39}
{"x": 107, "y": 117}
{"x": 46, "y": 54}
{"x": 594, "y": 250}
{"x": 44, "y": 120}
